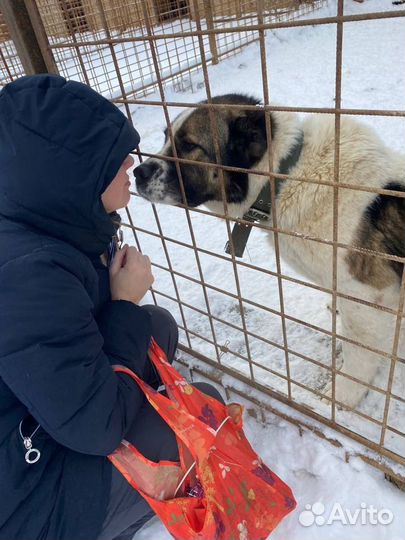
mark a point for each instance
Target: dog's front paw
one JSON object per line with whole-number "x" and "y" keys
{"x": 327, "y": 392}
{"x": 348, "y": 394}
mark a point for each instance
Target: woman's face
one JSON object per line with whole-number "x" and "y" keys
{"x": 117, "y": 194}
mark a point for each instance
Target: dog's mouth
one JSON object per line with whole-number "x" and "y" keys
{"x": 157, "y": 195}
{"x": 144, "y": 193}
{"x": 153, "y": 183}
{"x": 158, "y": 182}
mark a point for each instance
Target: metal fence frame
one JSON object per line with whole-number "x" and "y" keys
{"x": 381, "y": 457}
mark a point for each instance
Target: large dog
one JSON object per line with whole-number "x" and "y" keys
{"x": 306, "y": 151}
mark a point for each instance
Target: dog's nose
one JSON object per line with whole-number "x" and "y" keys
{"x": 144, "y": 172}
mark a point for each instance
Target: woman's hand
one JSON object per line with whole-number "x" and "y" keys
{"x": 130, "y": 275}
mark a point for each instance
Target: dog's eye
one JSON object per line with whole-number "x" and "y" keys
{"x": 188, "y": 146}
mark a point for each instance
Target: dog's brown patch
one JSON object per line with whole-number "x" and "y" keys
{"x": 382, "y": 229}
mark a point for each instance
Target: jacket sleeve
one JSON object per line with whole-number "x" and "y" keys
{"x": 126, "y": 329}
{"x": 52, "y": 357}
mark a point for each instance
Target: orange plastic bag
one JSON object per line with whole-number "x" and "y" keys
{"x": 220, "y": 489}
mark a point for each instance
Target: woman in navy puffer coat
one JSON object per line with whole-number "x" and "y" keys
{"x": 61, "y": 145}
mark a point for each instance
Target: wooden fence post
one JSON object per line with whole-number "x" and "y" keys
{"x": 28, "y": 34}
{"x": 212, "y": 38}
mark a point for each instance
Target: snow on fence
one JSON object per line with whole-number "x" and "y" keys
{"x": 130, "y": 49}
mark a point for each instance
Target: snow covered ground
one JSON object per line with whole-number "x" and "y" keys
{"x": 319, "y": 475}
{"x": 301, "y": 72}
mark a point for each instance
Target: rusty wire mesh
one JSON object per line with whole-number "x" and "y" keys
{"x": 89, "y": 36}
{"x": 376, "y": 430}
{"x": 10, "y": 64}
{"x": 129, "y": 49}
{"x": 387, "y": 440}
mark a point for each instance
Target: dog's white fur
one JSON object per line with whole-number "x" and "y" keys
{"x": 307, "y": 208}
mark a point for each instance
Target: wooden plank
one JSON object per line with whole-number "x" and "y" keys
{"x": 27, "y": 32}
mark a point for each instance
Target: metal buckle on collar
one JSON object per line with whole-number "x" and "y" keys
{"x": 256, "y": 215}
{"x": 241, "y": 231}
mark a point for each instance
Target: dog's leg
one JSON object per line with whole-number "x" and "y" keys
{"x": 366, "y": 326}
{"x": 358, "y": 362}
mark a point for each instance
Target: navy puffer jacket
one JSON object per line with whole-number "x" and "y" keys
{"x": 61, "y": 144}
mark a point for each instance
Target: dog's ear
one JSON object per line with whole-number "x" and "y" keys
{"x": 247, "y": 138}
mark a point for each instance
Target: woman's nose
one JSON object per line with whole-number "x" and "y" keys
{"x": 129, "y": 162}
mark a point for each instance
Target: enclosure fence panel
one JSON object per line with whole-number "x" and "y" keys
{"x": 253, "y": 323}
{"x": 81, "y": 32}
{"x": 10, "y": 64}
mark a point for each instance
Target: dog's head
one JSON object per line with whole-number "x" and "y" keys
{"x": 241, "y": 136}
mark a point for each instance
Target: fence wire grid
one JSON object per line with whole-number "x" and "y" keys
{"x": 130, "y": 49}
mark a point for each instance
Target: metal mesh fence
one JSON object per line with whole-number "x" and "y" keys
{"x": 247, "y": 353}
{"x": 10, "y": 65}
{"x": 88, "y": 37}
{"x": 130, "y": 49}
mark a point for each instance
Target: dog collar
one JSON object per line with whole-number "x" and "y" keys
{"x": 261, "y": 208}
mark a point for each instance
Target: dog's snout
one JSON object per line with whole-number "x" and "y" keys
{"x": 145, "y": 171}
